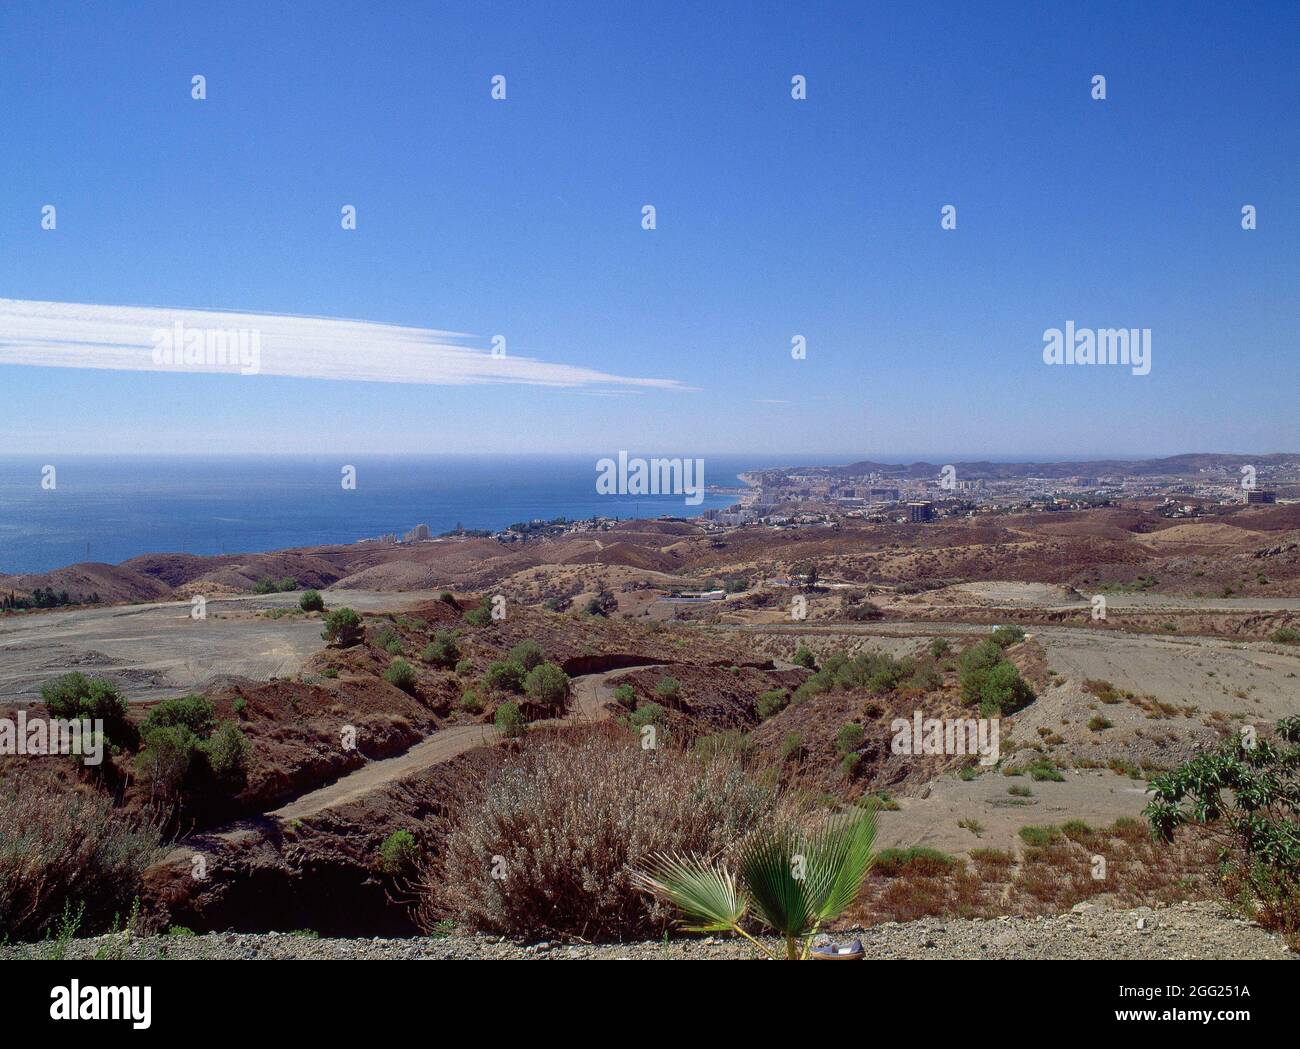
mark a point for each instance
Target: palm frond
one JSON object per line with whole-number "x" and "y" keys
{"x": 705, "y": 892}
{"x": 839, "y": 859}
{"x": 773, "y": 872}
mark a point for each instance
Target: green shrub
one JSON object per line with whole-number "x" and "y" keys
{"x": 917, "y": 859}
{"x": 480, "y": 614}
{"x": 939, "y": 647}
{"x": 464, "y": 667}
{"x": 447, "y": 598}
{"x": 311, "y": 601}
{"x": 668, "y": 689}
{"x": 75, "y": 696}
{"x": 401, "y": 674}
{"x": 547, "y": 685}
{"x": 997, "y": 687}
{"x": 646, "y": 714}
{"x": 1039, "y": 837}
{"x": 527, "y": 654}
{"x": 1042, "y": 770}
{"x": 1099, "y": 724}
{"x": 1285, "y": 636}
{"x": 772, "y": 702}
{"x": 193, "y": 711}
{"x": 505, "y": 676}
{"x": 792, "y": 748}
{"x": 165, "y": 758}
{"x": 442, "y": 651}
{"x": 267, "y": 585}
{"x": 849, "y": 738}
{"x": 509, "y": 719}
{"x": 342, "y": 627}
{"x": 386, "y": 637}
{"x": 804, "y": 657}
{"x": 226, "y": 754}
{"x": 399, "y": 854}
{"x": 1247, "y": 791}
{"x": 1075, "y": 830}
{"x": 625, "y": 696}
{"x": 1006, "y": 636}
{"x": 849, "y": 763}
{"x": 980, "y": 656}
{"x": 470, "y": 701}
{"x": 878, "y": 802}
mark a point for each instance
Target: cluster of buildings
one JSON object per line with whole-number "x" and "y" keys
{"x": 819, "y": 497}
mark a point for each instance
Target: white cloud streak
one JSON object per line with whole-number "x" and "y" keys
{"x": 124, "y": 338}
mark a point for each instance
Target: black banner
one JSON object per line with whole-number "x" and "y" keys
{"x": 149, "y": 998}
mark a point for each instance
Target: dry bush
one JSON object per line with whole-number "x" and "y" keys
{"x": 65, "y": 849}
{"x": 1047, "y": 879}
{"x": 566, "y": 819}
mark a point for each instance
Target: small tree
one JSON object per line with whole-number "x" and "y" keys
{"x": 342, "y": 627}
{"x": 505, "y": 676}
{"x": 547, "y": 685}
{"x": 193, "y": 711}
{"x": 75, "y": 696}
{"x": 226, "y": 752}
{"x": 1257, "y": 823}
{"x": 311, "y": 601}
{"x": 527, "y": 654}
{"x": 509, "y": 719}
{"x": 602, "y": 604}
{"x": 668, "y": 689}
{"x": 804, "y": 657}
{"x": 443, "y": 650}
{"x": 165, "y": 758}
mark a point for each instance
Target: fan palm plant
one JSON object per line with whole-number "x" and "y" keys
{"x": 791, "y": 882}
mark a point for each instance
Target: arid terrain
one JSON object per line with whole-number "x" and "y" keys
{"x": 342, "y": 754}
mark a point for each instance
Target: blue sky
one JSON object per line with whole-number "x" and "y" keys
{"x": 775, "y": 217}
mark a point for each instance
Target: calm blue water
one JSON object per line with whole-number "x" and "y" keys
{"x": 111, "y": 509}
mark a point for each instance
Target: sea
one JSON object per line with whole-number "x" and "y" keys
{"x": 112, "y": 508}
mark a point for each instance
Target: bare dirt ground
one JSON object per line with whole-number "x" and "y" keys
{"x": 157, "y": 650}
{"x": 1183, "y": 931}
{"x": 1207, "y": 685}
{"x": 1205, "y": 672}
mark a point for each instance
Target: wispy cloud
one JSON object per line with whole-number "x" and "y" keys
{"x": 125, "y": 338}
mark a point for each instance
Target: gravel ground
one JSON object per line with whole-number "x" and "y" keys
{"x": 1187, "y": 930}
